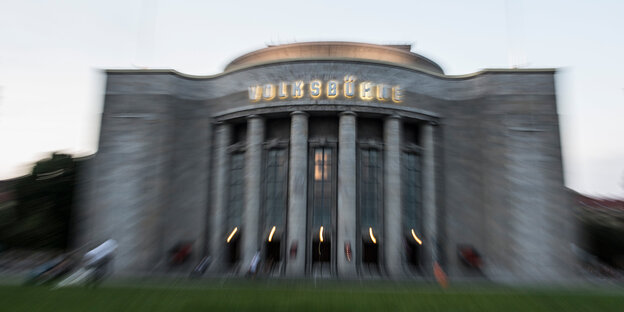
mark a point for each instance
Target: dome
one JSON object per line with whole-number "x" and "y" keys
{"x": 397, "y": 54}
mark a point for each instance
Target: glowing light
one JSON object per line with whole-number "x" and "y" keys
{"x": 332, "y": 89}
{"x": 370, "y": 232}
{"x": 326, "y": 164}
{"x": 382, "y": 92}
{"x": 318, "y": 165}
{"x": 268, "y": 92}
{"x": 232, "y": 234}
{"x": 282, "y": 93}
{"x": 321, "y": 234}
{"x": 255, "y": 93}
{"x": 315, "y": 88}
{"x": 322, "y": 165}
{"x": 271, "y": 234}
{"x": 349, "y": 86}
{"x": 397, "y": 94}
{"x": 366, "y": 91}
{"x": 297, "y": 89}
{"x": 416, "y": 238}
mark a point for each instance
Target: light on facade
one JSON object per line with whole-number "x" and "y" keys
{"x": 370, "y": 232}
{"x": 271, "y": 234}
{"x": 232, "y": 234}
{"x": 416, "y": 238}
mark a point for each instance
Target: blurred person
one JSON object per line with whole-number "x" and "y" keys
{"x": 100, "y": 259}
{"x": 201, "y": 267}
{"x": 439, "y": 274}
{"x": 180, "y": 253}
{"x": 253, "y": 267}
{"x": 95, "y": 265}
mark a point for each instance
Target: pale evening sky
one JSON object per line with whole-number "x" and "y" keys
{"x": 52, "y": 54}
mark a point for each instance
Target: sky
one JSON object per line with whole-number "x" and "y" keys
{"x": 53, "y": 53}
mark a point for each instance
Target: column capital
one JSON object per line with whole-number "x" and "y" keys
{"x": 432, "y": 123}
{"x": 394, "y": 116}
{"x": 299, "y": 113}
{"x": 348, "y": 113}
{"x": 255, "y": 117}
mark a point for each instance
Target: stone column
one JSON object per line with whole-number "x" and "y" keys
{"x": 429, "y": 194}
{"x": 297, "y": 194}
{"x": 253, "y": 179}
{"x": 392, "y": 243}
{"x": 223, "y": 134}
{"x": 346, "y": 215}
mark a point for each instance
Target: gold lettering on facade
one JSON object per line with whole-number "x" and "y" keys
{"x": 383, "y": 92}
{"x": 315, "y": 88}
{"x": 332, "y": 89}
{"x": 297, "y": 89}
{"x": 366, "y": 90}
{"x": 349, "y": 86}
{"x": 282, "y": 93}
{"x": 255, "y": 92}
{"x": 268, "y": 92}
{"x": 397, "y": 94}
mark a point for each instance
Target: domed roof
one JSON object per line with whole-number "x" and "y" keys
{"x": 397, "y": 54}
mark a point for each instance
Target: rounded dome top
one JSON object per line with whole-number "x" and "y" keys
{"x": 397, "y": 54}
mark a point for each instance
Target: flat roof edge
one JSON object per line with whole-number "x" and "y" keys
{"x": 263, "y": 64}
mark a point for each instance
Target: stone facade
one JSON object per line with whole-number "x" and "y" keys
{"x": 487, "y": 150}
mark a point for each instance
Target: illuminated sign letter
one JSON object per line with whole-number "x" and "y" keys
{"x": 397, "y": 94}
{"x": 268, "y": 92}
{"x": 315, "y": 88}
{"x": 255, "y": 92}
{"x": 281, "y": 91}
{"x": 349, "y": 86}
{"x": 383, "y": 92}
{"x": 366, "y": 91}
{"x": 332, "y": 89}
{"x": 297, "y": 89}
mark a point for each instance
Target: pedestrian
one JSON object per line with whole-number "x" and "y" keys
{"x": 253, "y": 268}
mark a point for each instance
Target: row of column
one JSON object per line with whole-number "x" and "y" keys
{"x": 298, "y": 193}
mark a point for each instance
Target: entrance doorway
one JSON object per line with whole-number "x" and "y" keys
{"x": 272, "y": 257}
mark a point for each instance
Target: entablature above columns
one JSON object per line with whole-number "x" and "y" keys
{"x": 388, "y": 112}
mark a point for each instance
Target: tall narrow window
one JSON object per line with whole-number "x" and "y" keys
{"x": 236, "y": 190}
{"x": 275, "y": 201}
{"x": 412, "y": 207}
{"x": 411, "y": 192}
{"x": 322, "y": 186}
{"x": 370, "y": 183}
{"x": 370, "y": 188}
{"x": 275, "y": 188}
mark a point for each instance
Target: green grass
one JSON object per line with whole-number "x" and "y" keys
{"x": 305, "y": 296}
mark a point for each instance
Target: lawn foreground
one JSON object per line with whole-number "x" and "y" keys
{"x": 305, "y": 296}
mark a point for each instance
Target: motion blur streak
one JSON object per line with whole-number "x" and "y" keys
{"x": 232, "y": 234}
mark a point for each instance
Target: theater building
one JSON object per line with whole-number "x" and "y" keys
{"x": 332, "y": 159}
